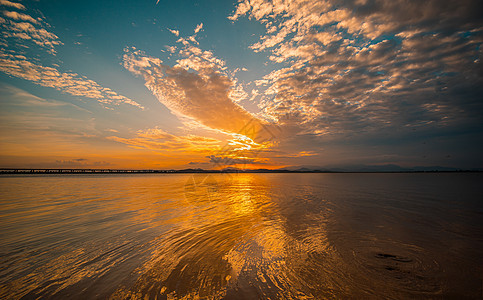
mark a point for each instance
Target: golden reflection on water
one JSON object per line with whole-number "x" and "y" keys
{"x": 222, "y": 236}
{"x": 231, "y": 228}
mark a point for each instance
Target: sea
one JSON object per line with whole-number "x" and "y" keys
{"x": 242, "y": 236}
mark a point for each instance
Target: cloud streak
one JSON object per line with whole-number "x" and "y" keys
{"x": 157, "y": 139}
{"x": 70, "y": 83}
{"x": 20, "y": 30}
{"x": 230, "y": 161}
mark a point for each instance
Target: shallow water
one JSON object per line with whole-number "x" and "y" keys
{"x": 241, "y": 236}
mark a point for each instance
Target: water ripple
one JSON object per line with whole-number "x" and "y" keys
{"x": 240, "y": 236}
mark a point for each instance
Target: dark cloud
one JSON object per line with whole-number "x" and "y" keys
{"x": 197, "y": 163}
{"x": 79, "y": 163}
{"x": 224, "y": 160}
{"x": 443, "y": 15}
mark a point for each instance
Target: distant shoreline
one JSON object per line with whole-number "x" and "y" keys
{"x": 33, "y": 171}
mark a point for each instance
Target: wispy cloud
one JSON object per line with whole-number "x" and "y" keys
{"x": 79, "y": 163}
{"x": 20, "y": 29}
{"x": 34, "y": 126}
{"x": 157, "y": 139}
{"x": 70, "y": 83}
{"x": 230, "y": 161}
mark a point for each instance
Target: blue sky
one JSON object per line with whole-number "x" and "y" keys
{"x": 176, "y": 84}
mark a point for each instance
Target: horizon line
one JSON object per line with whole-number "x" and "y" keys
{"x": 198, "y": 170}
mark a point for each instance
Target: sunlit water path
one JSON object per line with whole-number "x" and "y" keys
{"x": 241, "y": 236}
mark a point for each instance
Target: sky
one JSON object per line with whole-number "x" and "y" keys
{"x": 157, "y": 84}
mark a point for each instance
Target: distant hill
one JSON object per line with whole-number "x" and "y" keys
{"x": 373, "y": 168}
{"x": 292, "y": 169}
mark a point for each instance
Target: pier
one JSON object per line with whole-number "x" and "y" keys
{"x": 76, "y": 171}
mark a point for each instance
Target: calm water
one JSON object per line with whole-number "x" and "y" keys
{"x": 245, "y": 236}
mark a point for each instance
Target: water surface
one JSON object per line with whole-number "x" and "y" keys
{"x": 241, "y": 236}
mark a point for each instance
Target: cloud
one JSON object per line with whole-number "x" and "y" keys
{"x": 28, "y": 32}
{"x": 12, "y": 4}
{"x": 79, "y": 163}
{"x": 238, "y": 93}
{"x": 199, "y": 27}
{"x": 173, "y": 31}
{"x": 157, "y": 139}
{"x": 202, "y": 94}
{"x": 15, "y": 61}
{"x": 80, "y": 159}
{"x": 20, "y": 28}
{"x": 229, "y": 161}
{"x": 19, "y": 16}
{"x": 363, "y": 68}
{"x": 70, "y": 83}
{"x": 238, "y": 150}
{"x": 197, "y": 163}
{"x": 43, "y": 128}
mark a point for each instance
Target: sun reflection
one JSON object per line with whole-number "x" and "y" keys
{"x": 244, "y": 196}
{"x": 243, "y": 204}
{"x": 239, "y": 235}
{"x": 197, "y": 258}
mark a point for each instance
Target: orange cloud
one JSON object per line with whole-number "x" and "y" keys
{"x": 19, "y": 16}
{"x": 202, "y": 95}
{"x": 12, "y": 4}
{"x": 158, "y": 140}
